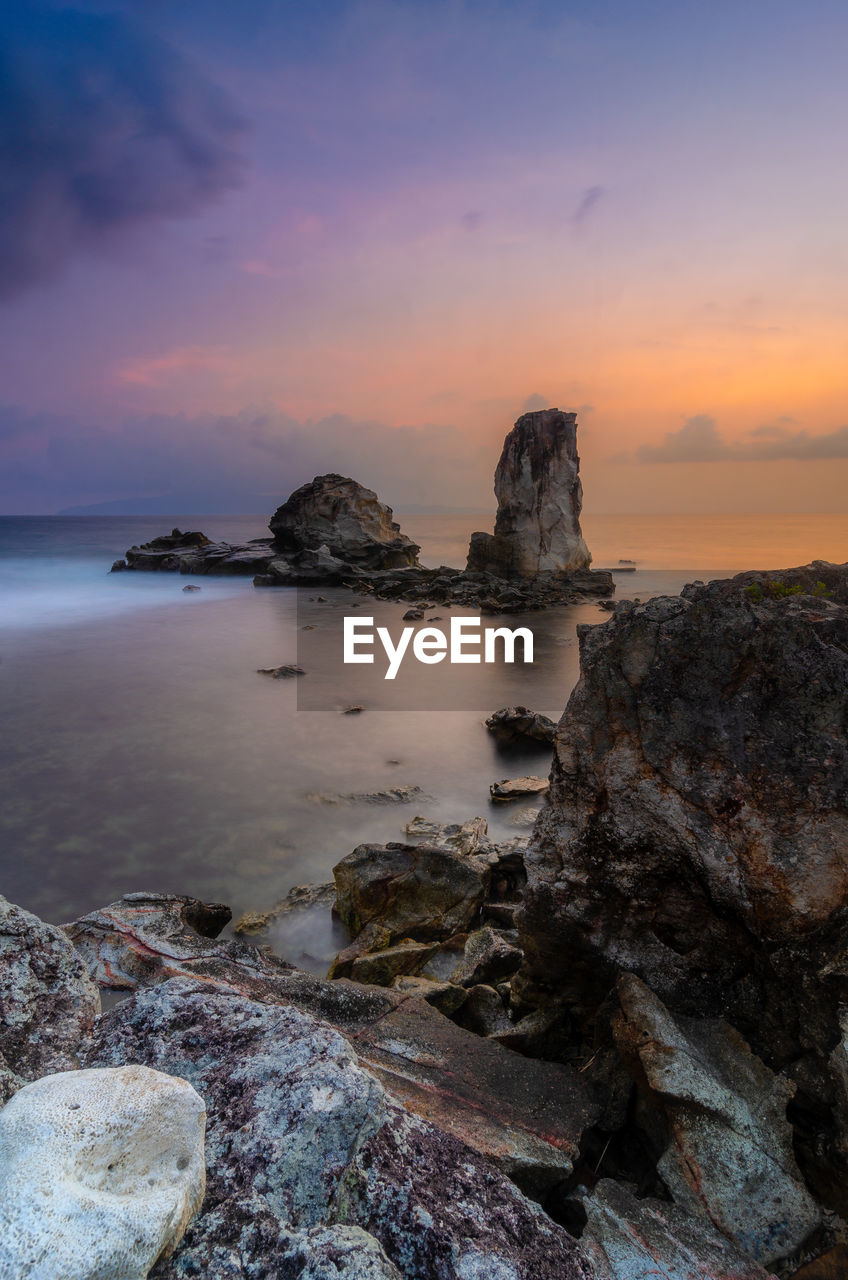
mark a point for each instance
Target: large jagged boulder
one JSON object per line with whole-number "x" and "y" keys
{"x": 697, "y": 829}
{"x": 304, "y": 1147}
{"x": 537, "y": 484}
{"x": 334, "y": 516}
{"x": 717, "y": 1117}
{"x": 48, "y": 1002}
{"x": 698, "y": 815}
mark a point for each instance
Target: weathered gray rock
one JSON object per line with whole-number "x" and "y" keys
{"x": 300, "y": 1137}
{"x": 342, "y": 518}
{"x": 484, "y": 1012}
{"x": 100, "y": 1173}
{"x": 463, "y": 837}
{"x": 385, "y": 893}
{"x": 728, "y": 1156}
{"x": 488, "y": 958}
{"x": 537, "y": 484}
{"x": 630, "y": 1239}
{"x": 518, "y": 788}
{"x": 48, "y": 1002}
{"x": 382, "y": 967}
{"x": 444, "y": 996}
{"x": 511, "y": 723}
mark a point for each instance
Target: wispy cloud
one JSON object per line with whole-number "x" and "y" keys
{"x": 699, "y": 440}
{"x": 155, "y": 371}
{"x": 590, "y": 200}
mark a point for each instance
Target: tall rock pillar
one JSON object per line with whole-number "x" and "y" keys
{"x": 537, "y": 484}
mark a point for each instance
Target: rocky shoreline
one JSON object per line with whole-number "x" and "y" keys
{"x": 617, "y": 1049}
{"x": 335, "y": 532}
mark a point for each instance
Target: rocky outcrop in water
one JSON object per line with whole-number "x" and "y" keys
{"x": 337, "y": 515}
{"x": 537, "y": 484}
{"x": 334, "y": 531}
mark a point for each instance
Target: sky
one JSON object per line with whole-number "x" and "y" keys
{"x": 244, "y": 244}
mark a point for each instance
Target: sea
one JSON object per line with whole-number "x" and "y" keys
{"x": 141, "y": 748}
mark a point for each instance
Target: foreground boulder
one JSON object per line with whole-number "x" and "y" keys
{"x": 340, "y": 516}
{"x": 48, "y": 1002}
{"x": 537, "y": 484}
{"x": 526, "y": 1117}
{"x": 301, "y": 1138}
{"x": 718, "y": 1117}
{"x": 696, "y": 830}
{"x": 100, "y": 1173}
{"x": 698, "y": 811}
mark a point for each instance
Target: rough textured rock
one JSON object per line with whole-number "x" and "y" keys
{"x": 100, "y": 1173}
{"x": 630, "y": 1239}
{"x": 518, "y": 788}
{"x": 527, "y": 1117}
{"x": 728, "y": 1146}
{"x": 487, "y": 957}
{"x": 179, "y": 552}
{"x": 300, "y": 1137}
{"x": 698, "y": 814}
{"x": 537, "y": 484}
{"x": 385, "y": 893}
{"x": 336, "y": 514}
{"x": 48, "y": 1003}
{"x": 444, "y": 996}
{"x": 382, "y": 967}
{"x": 511, "y": 723}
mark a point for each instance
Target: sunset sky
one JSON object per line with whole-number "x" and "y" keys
{"x": 243, "y": 243}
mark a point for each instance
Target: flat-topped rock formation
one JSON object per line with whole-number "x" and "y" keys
{"x": 537, "y": 484}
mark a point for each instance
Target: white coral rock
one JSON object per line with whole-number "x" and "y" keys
{"x": 100, "y": 1173}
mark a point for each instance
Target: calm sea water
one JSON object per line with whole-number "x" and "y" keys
{"x": 141, "y": 749}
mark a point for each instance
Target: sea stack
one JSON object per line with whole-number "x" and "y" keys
{"x": 537, "y": 484}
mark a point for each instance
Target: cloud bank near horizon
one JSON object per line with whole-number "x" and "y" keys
{"x": 103, "y": 126}
{"x": 50, "y": 461}
{"x": 699, "y": 440}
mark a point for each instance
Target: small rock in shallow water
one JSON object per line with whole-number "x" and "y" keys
{"x": 100, "y": 1173}
{"x": 191, "y": 587}
{"x": 281, "y": 673}
{"x": 517, "y": 788}
{"x": 354, "y": 710}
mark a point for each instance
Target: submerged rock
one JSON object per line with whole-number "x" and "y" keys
{"x": 100, "y": 1173}
{"x": 511, "y": 723}
{"x": 336, "y": 515}
{"x": 727, "y": 1153}
{"x": 48, "y": 1002}
{"x": 301, "y": 1139}
{"x": 537, "y": 484}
